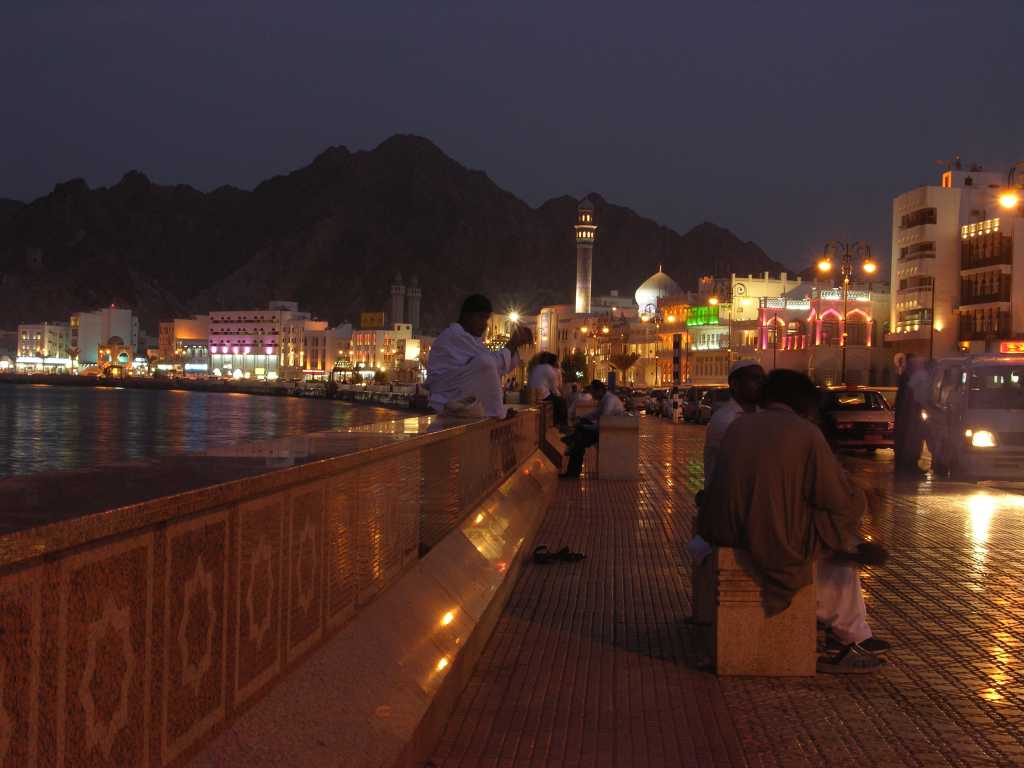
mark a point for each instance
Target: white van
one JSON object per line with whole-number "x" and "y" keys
{"x": 976, "y": 417}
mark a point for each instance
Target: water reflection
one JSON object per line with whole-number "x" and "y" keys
{"x": 46, "y": 428}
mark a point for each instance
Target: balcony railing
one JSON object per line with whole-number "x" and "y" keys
{"x": 990, "y": 250}
{"x": 987, "y": 297}
{"x": 998, "y": 326}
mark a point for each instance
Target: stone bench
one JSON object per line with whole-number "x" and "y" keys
{"x": 743, "y": 640}
{"x": 618, "y": 450}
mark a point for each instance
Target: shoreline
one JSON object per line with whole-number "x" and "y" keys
{"x": 397, "y": 401}
{"x": 193, "y": 385}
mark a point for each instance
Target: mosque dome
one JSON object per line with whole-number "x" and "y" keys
{"x": 657, "y": 286}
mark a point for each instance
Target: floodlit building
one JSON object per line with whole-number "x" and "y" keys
{"x": 278, "y": 342}
{"x": 957, "y": 276}
{"x": 43, "y": 347}
{"x": 379, "y": 350}
{"x": 803, "y": 330}
{"x": 91, "y": 330}
{"x": 184, "y": 345}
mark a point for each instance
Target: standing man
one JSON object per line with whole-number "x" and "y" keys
{"x": 779, "y": 493}
{"x": 909, "y": 437}
{"x": 463, "y": 375}
{"x": 746, "y": 385}
{"x": 588, "y": 427}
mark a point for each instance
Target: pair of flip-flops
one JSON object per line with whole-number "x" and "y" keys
{"x": 542, "y": 555}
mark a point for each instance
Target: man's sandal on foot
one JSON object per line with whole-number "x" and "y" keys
{"x": 853, "y": 659}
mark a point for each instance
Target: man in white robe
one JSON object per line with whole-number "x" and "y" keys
{"x": 460, "y": 367}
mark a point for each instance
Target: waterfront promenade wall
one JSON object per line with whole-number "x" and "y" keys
{"x": 133, "y": 633}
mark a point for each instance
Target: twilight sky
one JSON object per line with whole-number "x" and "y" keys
{"x": 787, "y": 122}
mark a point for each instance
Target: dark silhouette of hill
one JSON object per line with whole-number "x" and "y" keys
{"x": 330, "y": 235}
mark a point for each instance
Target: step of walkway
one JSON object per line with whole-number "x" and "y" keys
{"x": 592, "y": 664}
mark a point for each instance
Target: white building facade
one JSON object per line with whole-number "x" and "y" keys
{"x": 957, "y": 267}
{"x": 92, "y": 330}
{"x": 43, "y": 347}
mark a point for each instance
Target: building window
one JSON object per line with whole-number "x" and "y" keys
{"x": 918, "y": 251}
{"x": 918, "y": 218}
{"x": 830, "y": 331}
{"x": 856, "y": 331}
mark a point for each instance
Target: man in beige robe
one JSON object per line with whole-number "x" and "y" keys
{"x": 779, "y": 493}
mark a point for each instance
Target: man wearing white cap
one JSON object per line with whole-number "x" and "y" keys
{"x": 746, "y": 383}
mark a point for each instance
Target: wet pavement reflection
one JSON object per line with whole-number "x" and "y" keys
{"x": 594, "y": 664}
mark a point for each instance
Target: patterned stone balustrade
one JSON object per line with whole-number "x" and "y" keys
{"x": 168, "y": 597}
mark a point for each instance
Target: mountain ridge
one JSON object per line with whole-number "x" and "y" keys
{"x": 331, "y": 235}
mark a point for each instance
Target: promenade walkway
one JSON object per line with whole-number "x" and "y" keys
{"x": 591, "y": 664}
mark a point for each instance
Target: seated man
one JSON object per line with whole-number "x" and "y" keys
{"x": 746, "y": 383}
{"x": 779, "y": 492}
{"x": 588, "y": 427}
{"x": 462, "y": 370}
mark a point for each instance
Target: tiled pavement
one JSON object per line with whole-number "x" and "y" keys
{"x": 592, "y": 665}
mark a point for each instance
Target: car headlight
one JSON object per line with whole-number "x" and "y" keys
{"x": 924, "y": 415}
{"x": 981, "y": 438}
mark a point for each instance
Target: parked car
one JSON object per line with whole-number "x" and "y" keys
{"x": 692, "y": 402}
{"x": 667, "y": 403}
{"x": 654, "y": 398}
{"x": 711, "y": 401}
{"x": 635, "y": 400}
{"x": 857, "y": 418}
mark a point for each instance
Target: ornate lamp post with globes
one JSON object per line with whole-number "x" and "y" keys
{"x": 846, "y": 253}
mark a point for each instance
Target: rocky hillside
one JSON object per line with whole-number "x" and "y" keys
{"x": 330, "y": 236}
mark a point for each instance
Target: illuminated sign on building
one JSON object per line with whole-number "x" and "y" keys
{"x": 1011, "y": 347}
{"x": 702, "y": 316}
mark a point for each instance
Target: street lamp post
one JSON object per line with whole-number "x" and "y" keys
{"x": 1010, "y": 198}
{"x": 846, "y": 253}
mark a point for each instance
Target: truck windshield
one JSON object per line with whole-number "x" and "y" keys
{"x": 997, "y": 387}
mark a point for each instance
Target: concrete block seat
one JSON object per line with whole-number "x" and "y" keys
{"x": 618, "y": 450}
{"x": 744, "y": 641}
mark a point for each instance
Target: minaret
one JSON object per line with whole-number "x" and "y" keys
{"x": 586, "y": 230}
{"x": 397, "y": 299}
{"x": 414, "y": 296}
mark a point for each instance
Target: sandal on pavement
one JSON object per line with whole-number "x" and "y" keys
{"x": 543, "y": 556}
{"x": 852, "y": 660}
{"x": 570, "y": 557}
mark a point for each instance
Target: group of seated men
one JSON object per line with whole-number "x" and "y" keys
{"x": 772, "y": 485}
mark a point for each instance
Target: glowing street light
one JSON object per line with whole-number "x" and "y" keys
{"x": 513, "y": 316}
{"x": 1009, "y": 200}
{"x": 868, "y": 265}
{"x": 713, "y": 301}
{"x": 1010, "y": 196}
